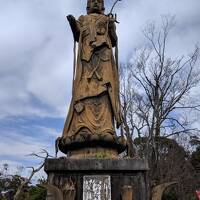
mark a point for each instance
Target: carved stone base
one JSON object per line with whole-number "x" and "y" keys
{"x": 128, "y": 177}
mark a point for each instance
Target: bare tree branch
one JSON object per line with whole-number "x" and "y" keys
{"x": 33, "y": 172}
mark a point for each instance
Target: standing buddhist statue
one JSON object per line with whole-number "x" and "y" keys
{"x": 95, "y": 106}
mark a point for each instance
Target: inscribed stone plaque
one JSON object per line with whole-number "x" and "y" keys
{"x": 96, "y": 188}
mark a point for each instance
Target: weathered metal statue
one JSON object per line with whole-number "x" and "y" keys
{"x": 95, "y": 104}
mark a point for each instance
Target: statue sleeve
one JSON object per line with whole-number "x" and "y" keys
{"x": 112, "y": 34}
{"x": 75, "y": 26}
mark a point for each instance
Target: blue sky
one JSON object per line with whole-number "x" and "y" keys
{"x": 36, "y": 63}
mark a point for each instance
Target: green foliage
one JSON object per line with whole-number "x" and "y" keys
{"x": 37, "y": 193}
{"x": 169, "y": 197}
{"x": 170, "y": 194}
{"x": 10, "y": 183}
{"x": 193, "y": 197}
{"x": 103, "y": 155}
{"x": 195, "y": 158}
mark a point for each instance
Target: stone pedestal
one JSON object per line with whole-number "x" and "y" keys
{"x": 127, "y": 177}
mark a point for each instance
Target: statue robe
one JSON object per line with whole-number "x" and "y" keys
{"x": 95, "y": 102}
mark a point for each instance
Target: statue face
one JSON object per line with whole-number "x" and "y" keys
{"x": 95, "y": 6}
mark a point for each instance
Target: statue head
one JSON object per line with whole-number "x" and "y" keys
{"x": 95, "y": 6}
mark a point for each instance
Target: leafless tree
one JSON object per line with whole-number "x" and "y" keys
{"x": 156, "y": 89}
{"x": 33, "y": 172}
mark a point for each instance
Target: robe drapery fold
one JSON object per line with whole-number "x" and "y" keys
{"x": 95, "y": 103}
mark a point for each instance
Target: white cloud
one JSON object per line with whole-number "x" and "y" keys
{"x": 20, "y": 143}
{"x": 16, "y": 148}
{"x": 36, "y": 47}
{"x": 33, "y": 56}
{"x": 48, "y": 131}
{"x": 19, "y": 147}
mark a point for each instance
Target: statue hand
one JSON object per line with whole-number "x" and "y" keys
{"x": 71, "y": 18}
